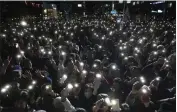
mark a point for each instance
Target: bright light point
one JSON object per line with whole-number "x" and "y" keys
{"x": 19, "y": 56}
{"x": 163, "y": 51}
{"x": 167, "y": 65}
{"x": 50, "y": 52}
{"x": 4, "y": 35}
{"x": 100, "y": 47}
{"x": 126, "y": 58}
{"x": 69, "y": 86}
{"x": 65, "y": 76}
{"x": 56, "y": 32}
{"x": 120, "y": 48}
{"x": 103, "y": 38}
{"x": 45, "y": 10}
{"x": 30, "y": 87}
{"x": 42, "y": 50}
{"x": 22, "y": 52}
{"x": 34, "y": 82}
{"x": 144, "y": 91}
{"x": 140, "y": 41}
{"x": 113, "y": 102}
{"x": 23, "y": 23}
{"x": 131, "y": 40}
{"x": 125, "y": 47}
{"x": 50, "y": 40}
{"x": 155, "y": 53}
{"x": 3, "y": 90}
{"x": 94, "y": 65}
{"x": 76, "y": 85}
{"x": 113, "y": 67}
{"x": 110, "y": 33}
{"x": 98, "y": 75}
{"x": 84, "y": 71}
{"x": 151, "y": 30}
{"x": 81, "y": 64}
{"x": 79, "y": 5}
{"x": 154, "y": 45}
{"x": 159, "y": 11}
{"x": 47, "y": 87}
{"x": 60, "y": 47}
{"x": 32, "y": 36}
{"x": 158, "y": 78}
{"x": 122, "y": 54}
{"x": 39, "y": 38}
{"x": 63, "y": 53}
{"x": 7, "y": 86}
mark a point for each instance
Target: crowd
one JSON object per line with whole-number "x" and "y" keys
{"x": 88, "y": 65}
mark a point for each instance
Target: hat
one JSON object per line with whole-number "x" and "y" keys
{"x": 17, "y": 68}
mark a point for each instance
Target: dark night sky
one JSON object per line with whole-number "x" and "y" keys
{"x": 15, "y": 9}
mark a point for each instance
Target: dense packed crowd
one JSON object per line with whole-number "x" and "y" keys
{"x": 87, "y": 65}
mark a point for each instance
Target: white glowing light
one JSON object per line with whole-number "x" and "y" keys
{"x": 151, "y": 30}
{"x": 167, "y": 65}
{"x": 125, "y": 47}
{"x": 22, "y": 52}
{"x": 19, "y": 56}
{"x": 110, "y": 33}
{"x": 103, "y": 38}
{"x": 42, "y": 50}
{"x": 122, "y": 54}
{"x": 3, "y": 90}
{"x": 16, "y": 45}
{"x": 94, "y": 65}
{"x": 69, "y": 86}
{"x": 113, "y": 67}
{"x": 47, "y": 87}
{"x": 23, "y": 23}
{"x": 100, "y": 47}
{"x": 39, "y": 38}
{"x": 45, "y": 10}
{"x": 84, "y": 71}
{"x": 7, "y": 86}
{"x": 144, "y": 91}
{"x": 155, "y": 53}
{"x": 63, "y": 53}
{"x": 158, "y": 78}
{"x": 154, "y": 45}
{"x": 76, "y": 85}
{"x": 60, "y": 47}
{"x": 33, "y": 82}
{"x": 113, "y": 102}
{"x": 142, "y": 79}
{"x": 120, "y": 48}
{"x": 65, "y": 76}
{"x": 4, "y": 35}
{"x": 81, "y": 64}
{"x": 30, "y": 87}
{"x": 164, "y": 51}
{"x": 126, "y": 58}
{"x": 79, "y": 5}
{"x": 98, "y": 75}
{"x": 50, "y": 52}
{"x": 50, "y": 40}
{"x": 32, "y": 36}
{"x": 131, "y": 40}
{"x": 140, "y": 41}
{"x": 56, "y": 32}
